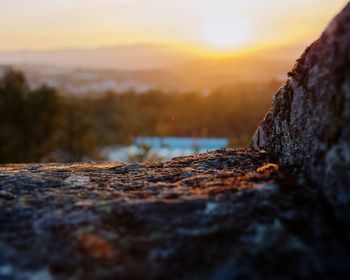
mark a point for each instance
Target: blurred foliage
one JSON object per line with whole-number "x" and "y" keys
{"x": 231, "y": 113}
{"x": 144, "y": 154}
{"x": 42, "y": 125}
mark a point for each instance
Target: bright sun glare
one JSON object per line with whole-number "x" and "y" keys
{"x": 226, "y": 33}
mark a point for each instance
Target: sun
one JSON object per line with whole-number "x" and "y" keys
{"x": 222, "y": 34}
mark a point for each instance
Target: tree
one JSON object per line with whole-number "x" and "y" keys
{"x": 39, "y": 125}
{"x": 44, "y": 123}
{"x": 77, "y": 139}
{"x": 13, "y": 91}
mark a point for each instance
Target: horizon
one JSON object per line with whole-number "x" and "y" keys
{"x": 220, "y": 28}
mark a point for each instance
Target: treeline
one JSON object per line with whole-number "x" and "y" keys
{"x": 42, "y": 125}
{"x": 224, "y": 113}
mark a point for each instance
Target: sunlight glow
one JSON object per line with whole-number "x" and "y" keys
{"x": 226, "y": 33}
{"x": 207, "y": 25}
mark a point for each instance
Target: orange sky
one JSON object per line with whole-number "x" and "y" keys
{"x": 214, "y": 26}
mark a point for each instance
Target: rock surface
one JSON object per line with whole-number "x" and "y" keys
{"x": 229, "y": 214}
{"x": 309, "y": 124}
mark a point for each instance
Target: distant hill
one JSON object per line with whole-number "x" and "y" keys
{"x": 144, "y": 67}
{"x": 129, "y": 57}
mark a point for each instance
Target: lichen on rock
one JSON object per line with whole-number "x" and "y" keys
{"x": 308, "y": 126}
{"x": 229, "y": 214}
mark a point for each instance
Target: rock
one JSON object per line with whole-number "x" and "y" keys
{"x": 229, "y": 214}
{"x": 308, "y": 126}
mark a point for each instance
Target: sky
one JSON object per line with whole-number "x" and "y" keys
{"x": 215, "y": 26}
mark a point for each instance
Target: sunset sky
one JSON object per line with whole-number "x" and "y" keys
{"x": 202, "y": 25}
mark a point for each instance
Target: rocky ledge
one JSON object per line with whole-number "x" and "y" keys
{"x": 229, "y": 214}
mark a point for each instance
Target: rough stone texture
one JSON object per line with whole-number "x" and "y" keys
{"x": 229, "y": 214}
{"x": 309, "y": 124}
